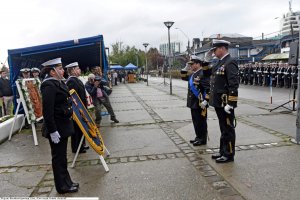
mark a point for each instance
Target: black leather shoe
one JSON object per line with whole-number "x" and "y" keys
{"x": 192, "y": 141}
{"x": 70, "y": 190}
{"x": 224, "y": 159}
{"x": 216, "y": 155}
{"x": 82, "y": 151}
{"x": 86, "y": 147}
{"x": 199, "y": 143}
{"x": 75, "y": 185}
{"x": 114, "y": 119}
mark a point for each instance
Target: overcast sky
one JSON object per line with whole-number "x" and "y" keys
{"x": 33, "y": 22}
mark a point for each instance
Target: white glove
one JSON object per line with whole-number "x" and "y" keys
{"x": 203, "y": 104}
{"x": 55, "y": 137}
{"x": 227, "y": 108}
{"x": 209, "y": 56}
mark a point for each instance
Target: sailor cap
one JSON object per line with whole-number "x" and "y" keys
{"x": 52, "y": 63}
{"x": 35, "y": 69}
{"x": 25, "y": 69}
{"x": 74, "y": 64}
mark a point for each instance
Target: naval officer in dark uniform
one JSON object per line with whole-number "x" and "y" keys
{"x": 223, "y": 97}
{"x": 197, "y": 98}
{"x": 73, "y": 82}
{"x": 58, "y": 124}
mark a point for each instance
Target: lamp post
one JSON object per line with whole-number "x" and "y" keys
{"x": 146, "y": 66}
{"x": 137, "y": 59}
{"x": 188, "y": 47}
{"x": 107, "y": 48}
{"x": 298, "y": 97}
{"x": 238, "y": 52}
{"x": 168, "y": 24}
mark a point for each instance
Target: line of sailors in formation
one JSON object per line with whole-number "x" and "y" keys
{"x": 269, "y": 74}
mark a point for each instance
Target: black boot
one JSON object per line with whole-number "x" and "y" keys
{"x": 114, "y": 119}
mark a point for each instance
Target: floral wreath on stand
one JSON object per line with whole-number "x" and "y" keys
{"x": 28, "y": 98}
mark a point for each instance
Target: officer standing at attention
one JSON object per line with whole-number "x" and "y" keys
{"x": 223, "y": 97}
{"x": 73, "y": 82}
{"x": 198, "y": 97}
{"x": 58, "y": 124}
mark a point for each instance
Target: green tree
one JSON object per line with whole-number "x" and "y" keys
{"x": 124, "y": 54}
{"x": 155, "y": 59}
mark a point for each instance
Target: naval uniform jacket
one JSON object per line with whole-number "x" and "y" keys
{"x": 57, "y": 108}
{"x": 224, "y": 80}
{"x": 203, "y": 87}
{"x": 76, "y": 84}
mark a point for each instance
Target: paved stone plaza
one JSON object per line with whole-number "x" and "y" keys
{"x": 151, "y": 157}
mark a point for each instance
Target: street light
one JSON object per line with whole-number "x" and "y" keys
{"x": 168, "y": 24}
{"x": 145, "y": 45}
{"x": 107, "y": 48}
{"x": 137, "y": 59}
{"x": 187, "y": 37}
{"x": 238, "y": 52}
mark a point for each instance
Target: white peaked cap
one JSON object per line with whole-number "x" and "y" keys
{"x": 55, "y": 61}
{"x": 35, "y": 69}
{"x": 74, "y": 64}
{"x": 216, "y": 43}
{"x": 26, "y": 69}
{"x": 194, "y": 57}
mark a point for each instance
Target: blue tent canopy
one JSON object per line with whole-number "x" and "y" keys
{"x": 116, "y": 67}
{"x": 130, "y": 66}
{"x": 86, "y": 51}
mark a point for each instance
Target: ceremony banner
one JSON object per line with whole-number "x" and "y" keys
{"x": 86, "y": 124}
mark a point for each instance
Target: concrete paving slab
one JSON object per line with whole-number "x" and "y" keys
{"x": 154, "y": 97}
{"x": 167, "y": 104}
{"x": 20, "y": 183}
{"x": 283, "y": 123}
{"x": 245, "y": 135}
{"x": 129, "y": 117}
{"x": 138, "y": 140}
{"x": 264, "y": 174}
{"x": 164, "y": 179}
{"x": 246, "y": 109}
{"x": 121, "y": 99}
{"x": 126, "y": 106}
{"x": 170, "y": 114}
{"x": 21, "y": 150}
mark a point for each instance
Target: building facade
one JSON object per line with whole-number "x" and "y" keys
{"x": 290, "y": 22}
{"x": 176, "y": 47}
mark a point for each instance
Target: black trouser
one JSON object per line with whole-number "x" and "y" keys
{"x": 200, "y": 124}
{"x": 251, "y": 79}
{"x": 227, "y": 140}
{"x": 255, "y": 79}
{"x": 260, "y": 79}
{"x": 62, "y": 177}
{"x": 76, "y": 137}
{"x": 274, "y": 82}
{"x": 246, "y": 79}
